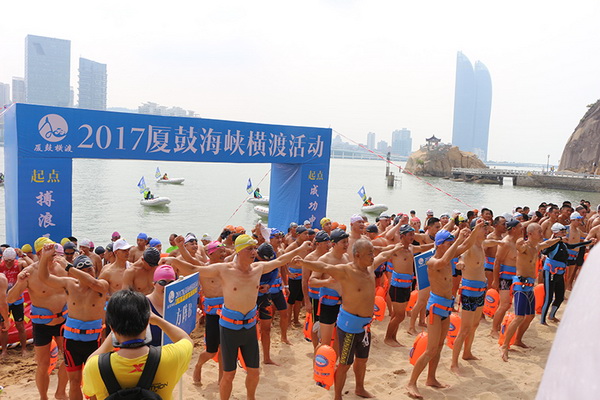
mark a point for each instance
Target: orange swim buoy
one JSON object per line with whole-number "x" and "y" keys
{"x": 414, "y": 295}
{"x": 379, "y": 309}
{"x": 53, "y": 356}
{"x": 453, "y": 330}
{"x": 504, "y": 327}
{"x": 540, "y": 293}
{"x": 419, "y": 347}
{"x": 324, "y": 366}
{"x": 492, "y": 299}
{"x": 308, "y": 326}
{"x": 380, "y": 291}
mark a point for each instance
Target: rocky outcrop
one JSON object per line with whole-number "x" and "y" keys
{"x": 439, "y": 160}
{"x": 582, "y": 151}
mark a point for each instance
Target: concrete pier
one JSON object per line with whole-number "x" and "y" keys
{"x": 556, "y": 180}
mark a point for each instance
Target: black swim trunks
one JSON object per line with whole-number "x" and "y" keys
{"x": 43, "y": 334}
{"x": 295, "y": 291}
{"x": 329, "y": 314}
{"x": 471, "y": 303}
{"x": 77, "y": 353}
{"x": 399, "y": 295}
{"x": 212, "y": 336}
{"x": 264, "y": 304}
{"x": 17, "y": 311}
{"x": 315, "y": 309}
{"x": 246, "y": 341}
{"x": 352, "y": 344}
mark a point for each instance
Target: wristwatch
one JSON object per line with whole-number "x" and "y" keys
{"x": 68, "y": 267}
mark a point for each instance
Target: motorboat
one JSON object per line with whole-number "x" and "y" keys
{"x": 259, "y": 200}
{"x": 375, "y": 208}
{"x": 262, "y": 211}
{"x": 155, "y": 202}
{"x": 172, "y": 181}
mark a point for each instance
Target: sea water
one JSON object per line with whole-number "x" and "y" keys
{"x": 106, "y": 197}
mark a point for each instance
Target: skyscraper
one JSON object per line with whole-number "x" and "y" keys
{"x": 401, "y": 142}
{"x": 92, "y": 85}
{"x": 371, "y": 141}
{"x": 18, "y": 90}
{"x": 472, "y": 106}
{"x": 4, "y": 94}
{"x": 47, "y": 71}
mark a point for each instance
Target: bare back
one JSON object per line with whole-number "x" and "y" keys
{"x": 44, "y": 296}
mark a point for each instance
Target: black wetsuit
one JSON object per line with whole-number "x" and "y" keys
{"x": 554, "y": 281}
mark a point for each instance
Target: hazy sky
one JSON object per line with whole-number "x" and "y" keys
{"x": 354, "y": 66}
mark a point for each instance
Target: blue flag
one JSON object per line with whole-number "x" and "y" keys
{"x": 249, "y": 186}
{"x": 142, "y": 185}
{"x": 157, "y": 173}
{"x": 362, "y": 193}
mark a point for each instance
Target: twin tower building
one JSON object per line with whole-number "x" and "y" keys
{"x": 472, "y": 106}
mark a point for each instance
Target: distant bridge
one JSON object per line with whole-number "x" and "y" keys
{"x": 362, "y": 155}
{"x": 556, "y": 180}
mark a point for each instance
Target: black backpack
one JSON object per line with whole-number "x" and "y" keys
{"x": 142, "y": 390}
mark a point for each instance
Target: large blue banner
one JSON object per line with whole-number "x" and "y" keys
{"x": 52, "y": 132}
{"x": 181, "y": 303}
{"x": 41, "y": 141}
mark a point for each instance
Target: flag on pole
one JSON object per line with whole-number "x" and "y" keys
{"x": 362, "y": 193}
{"x": 157, "y": 173}
{"x": 249, "y": 186}
{"x": 142, "y": 185}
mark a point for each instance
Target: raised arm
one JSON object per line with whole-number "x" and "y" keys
{"x": 548, "y": 243}
{"x": 422, "y": 247}
{"x": 336, "y": 271}
{"x": 580, "y": 244}
{"x": 318, "y": 282}
{"x": 385, "y": 255}
{"x": 24, "y": 257}
{"x": 206, "y": 271}
{"x": 471, "y": 239}
{"x": 98, "y": 285}
{"x": 179, "y": 242}
{"x": 453, "y": 250}
{"x": 15, "y": 292}
{"x": 174, "y": 332}
{"x": 491, "y": 243}
{"x": 57, "y": 282}
{"x": 269, "y": 266}
{"x": 389, "y": 235}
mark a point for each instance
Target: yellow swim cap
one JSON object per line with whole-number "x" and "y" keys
{"x": 63, "y": 241}
{"x": 324, "y": 220}
{"x": 244, "y": 241}
{"x": 26, "y": 248}
{"x": 40, "y": 242}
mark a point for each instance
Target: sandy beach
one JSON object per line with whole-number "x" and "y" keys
{"x": 387, "y": 370}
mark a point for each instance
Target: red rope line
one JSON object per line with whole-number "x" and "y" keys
{"x": 405, "y": 171}
{"x": 246, "y": 198}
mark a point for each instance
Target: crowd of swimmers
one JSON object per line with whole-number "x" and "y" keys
{"x": 333, "y": 273}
